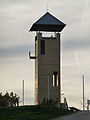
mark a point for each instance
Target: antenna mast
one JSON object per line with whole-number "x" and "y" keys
{"x": 83, "y": 91}
{"x": 23, "y": 94}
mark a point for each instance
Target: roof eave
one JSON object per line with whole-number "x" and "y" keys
{"x": 48, "y": 28}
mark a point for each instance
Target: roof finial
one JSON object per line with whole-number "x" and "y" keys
{"x": 47, "y": 6}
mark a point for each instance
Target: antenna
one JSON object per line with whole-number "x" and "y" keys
{"x": 47, "y": 6}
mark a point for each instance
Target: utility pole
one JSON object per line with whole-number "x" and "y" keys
{"x": 83, "y": 91}
{"x": 23, "y": 93}
{"x": 48, "y": 88}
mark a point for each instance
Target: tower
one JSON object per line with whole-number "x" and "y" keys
{"x": 47, "y": 58}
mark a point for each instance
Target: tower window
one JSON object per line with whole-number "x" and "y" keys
{"x": 55, "y": 79}
{"x": 43, "y": 47}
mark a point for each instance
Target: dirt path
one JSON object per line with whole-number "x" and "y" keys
{"x": 84, "y": 115}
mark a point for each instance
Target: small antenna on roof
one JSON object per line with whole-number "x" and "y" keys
{"x": 47, "y": 6}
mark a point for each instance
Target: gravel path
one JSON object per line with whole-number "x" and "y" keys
{"x": 84, "y": 115}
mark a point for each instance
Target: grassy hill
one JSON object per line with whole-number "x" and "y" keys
{"x": 40, "y": 112}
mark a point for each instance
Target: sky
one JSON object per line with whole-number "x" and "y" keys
{"x": 16, "y": 18}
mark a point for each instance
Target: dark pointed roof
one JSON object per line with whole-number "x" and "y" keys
{"x": 48, "y": 23}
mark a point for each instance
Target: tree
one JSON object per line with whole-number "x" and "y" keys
{"x": 9, "y": 100}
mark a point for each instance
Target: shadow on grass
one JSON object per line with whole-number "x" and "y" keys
{"x": 35, "y": 112}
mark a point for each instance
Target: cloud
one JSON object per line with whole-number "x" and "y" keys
{"x": 75, "y": 44}
{"x": 15, "y": 51}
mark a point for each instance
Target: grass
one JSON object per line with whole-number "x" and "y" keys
{"x": 40, "y": 112}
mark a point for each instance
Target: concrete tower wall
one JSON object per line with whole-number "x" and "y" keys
{"x": 45, "y": 66}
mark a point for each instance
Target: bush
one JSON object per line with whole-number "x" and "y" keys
{"x": 7, "y": 100}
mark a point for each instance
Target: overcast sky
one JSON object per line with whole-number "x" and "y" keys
{"x": 16, "y": 17}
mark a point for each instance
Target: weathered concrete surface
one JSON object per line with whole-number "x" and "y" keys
{"x": 84, "y": 115}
